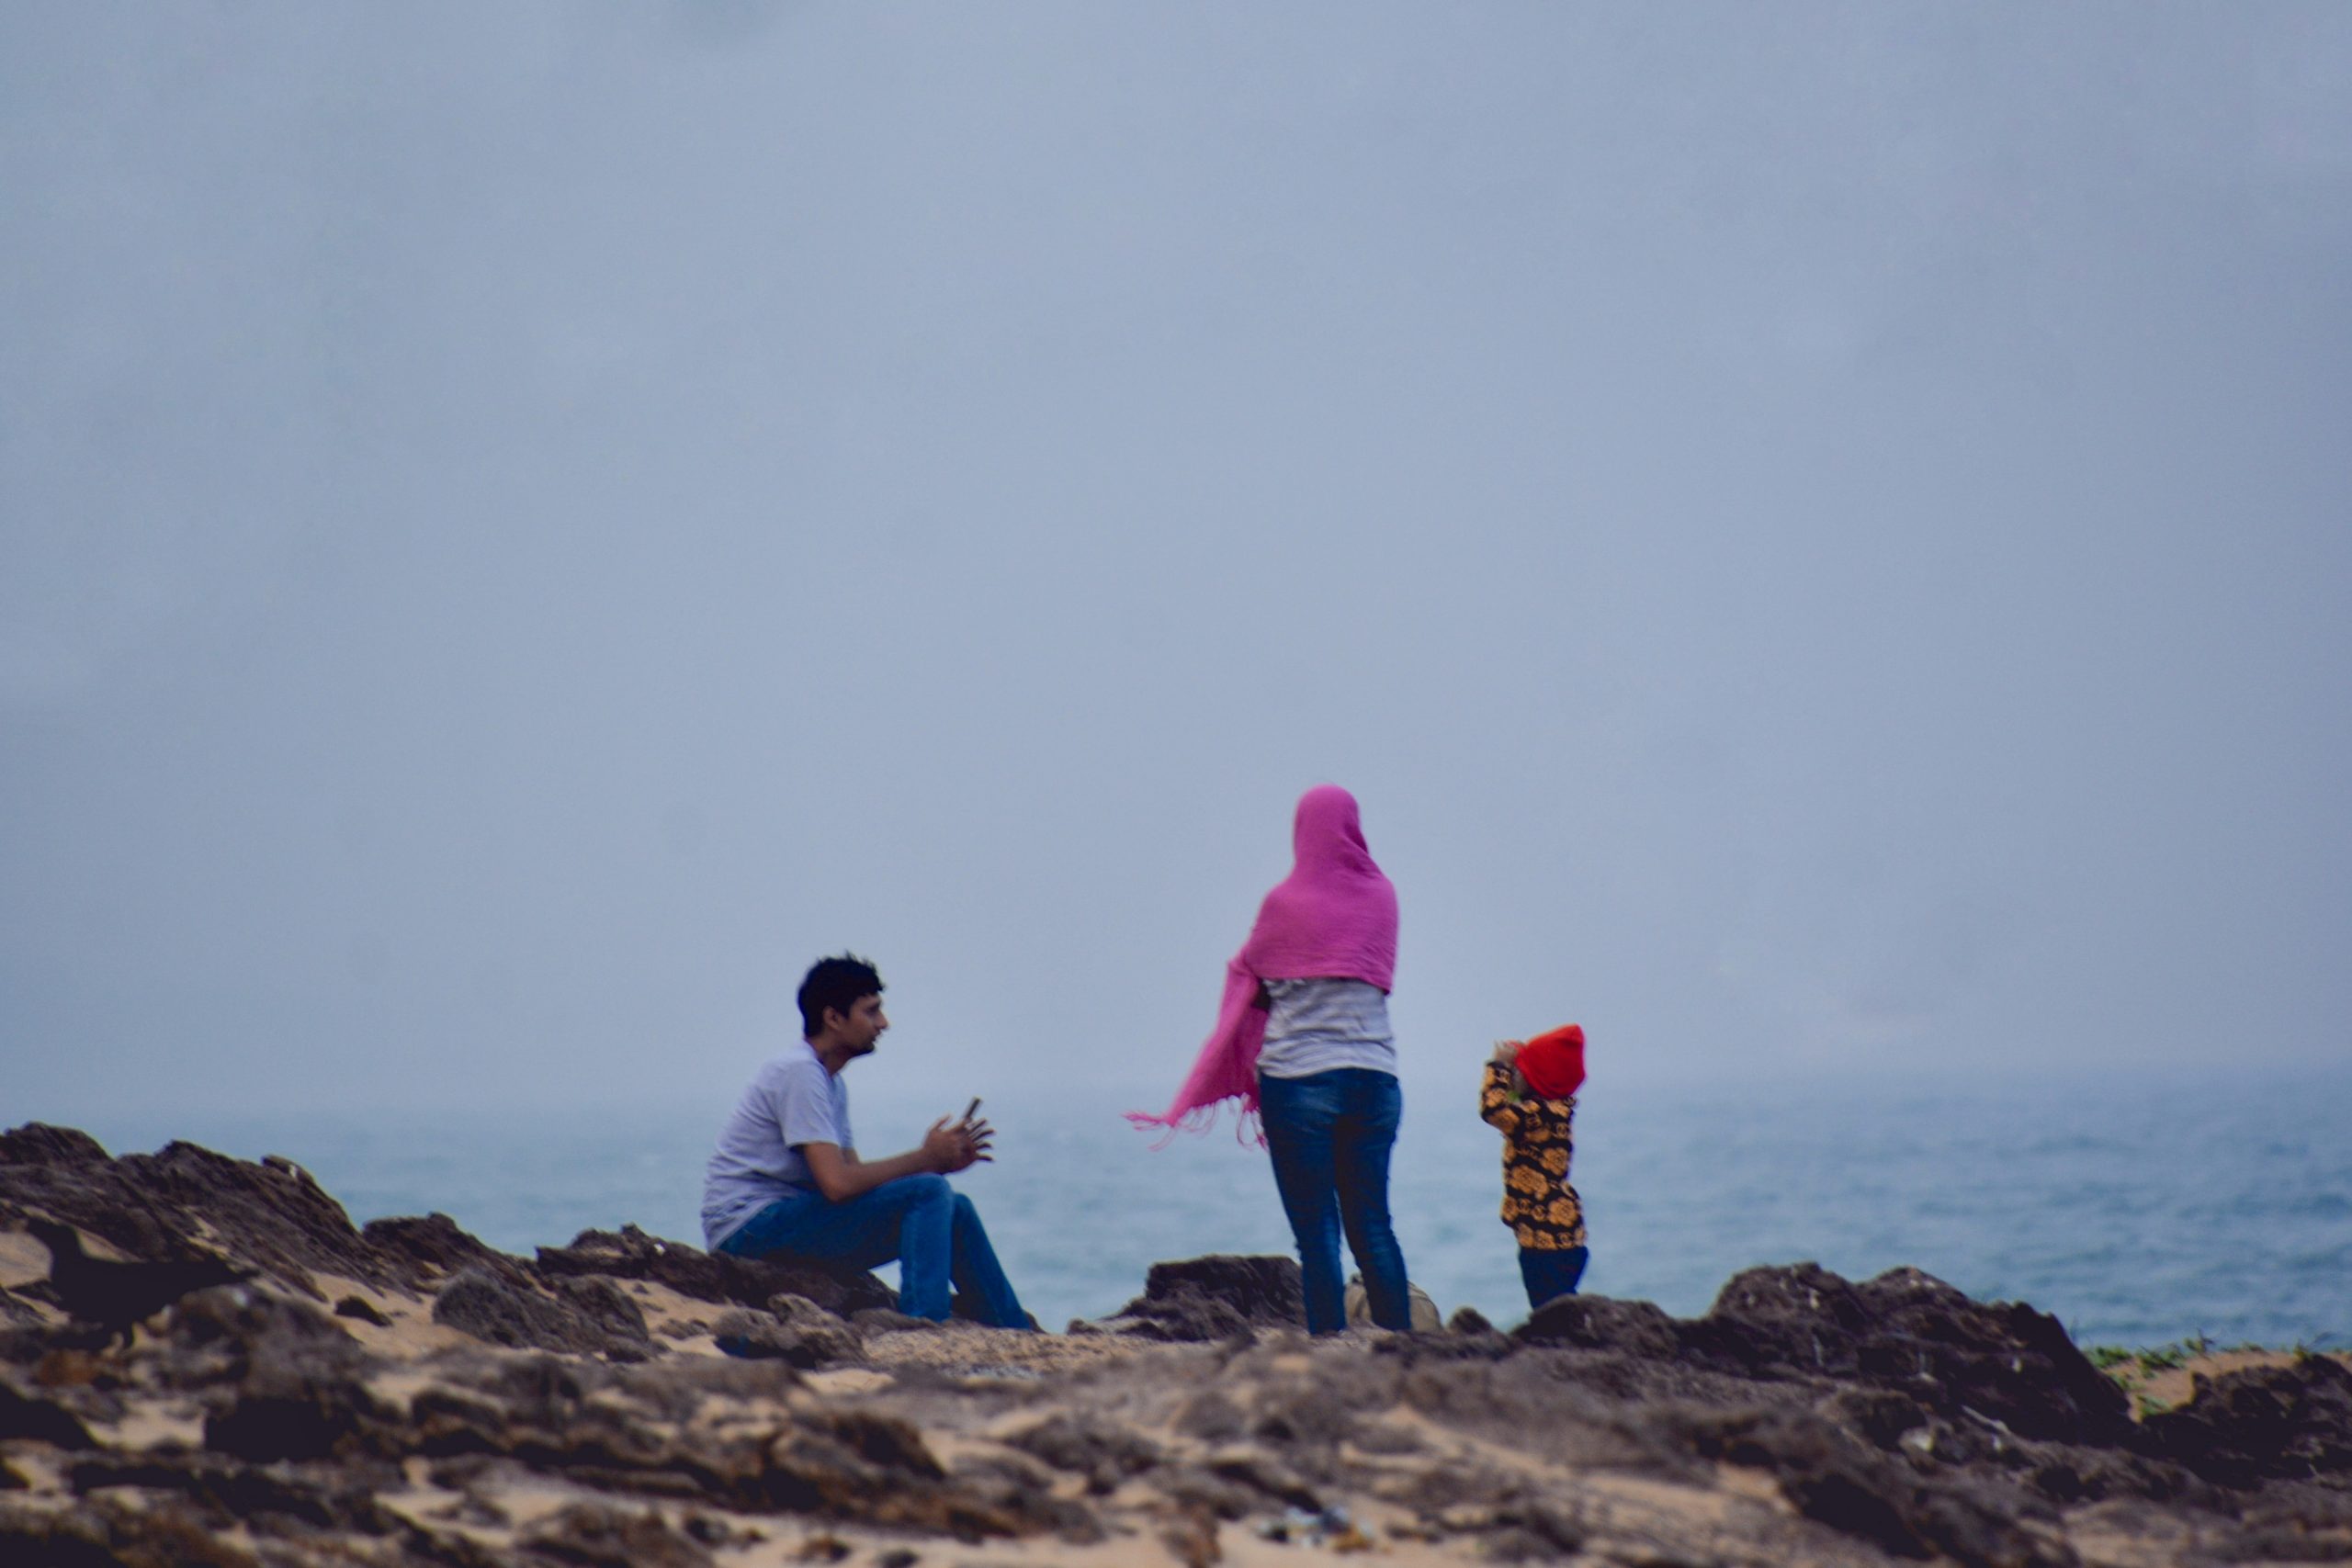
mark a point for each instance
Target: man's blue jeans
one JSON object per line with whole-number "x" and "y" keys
{"x": 933, "y": 1230}
{"x": 1329, "y": 1134}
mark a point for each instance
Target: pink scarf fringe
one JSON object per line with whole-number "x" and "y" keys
{"x": 1334, "y": 917}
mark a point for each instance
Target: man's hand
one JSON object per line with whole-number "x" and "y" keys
{"x": 951, "y": 1146}
{"x": 1507, "y": 1051}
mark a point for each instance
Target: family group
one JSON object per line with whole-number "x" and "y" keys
{"x": 1302, "y": 1048}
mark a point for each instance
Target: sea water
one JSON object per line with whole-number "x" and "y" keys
{"x": 2137, "y": 1212}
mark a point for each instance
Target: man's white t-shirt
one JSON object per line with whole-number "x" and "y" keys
{"x": 790, "y": 1101}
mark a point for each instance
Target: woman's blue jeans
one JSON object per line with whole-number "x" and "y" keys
{"x": 933, "y": 1230}
{"x": 1329, "y": 1134}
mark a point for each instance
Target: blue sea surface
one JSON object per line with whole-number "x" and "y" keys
{"x": 2136, "y": 1213}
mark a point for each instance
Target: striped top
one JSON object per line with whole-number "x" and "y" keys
{"x": 1317, "y": 1025}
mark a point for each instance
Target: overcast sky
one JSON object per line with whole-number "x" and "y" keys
{"x": 1818, "y": 534}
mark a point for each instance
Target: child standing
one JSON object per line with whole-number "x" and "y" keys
{"x": 1529, "y": 1094}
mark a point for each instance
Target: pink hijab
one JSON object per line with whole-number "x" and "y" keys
{"x": 1334, "y": 916}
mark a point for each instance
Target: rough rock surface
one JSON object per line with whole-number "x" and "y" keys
{"x": 630, "y": 1254}
{"x": 2280, "y": 1423}
{"x": 269, "y": 1216}
{"x": 521, "y": 1315}
{"x": 793, "y": 1329}
{"x": 458, "y": 1407}
{"x": 1909, "y": 1331}
{"x": 1214, "y": 1298}
{"x": 274, "y": 1217}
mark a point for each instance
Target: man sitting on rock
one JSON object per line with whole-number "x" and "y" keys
{"x": 786, "y": 1182}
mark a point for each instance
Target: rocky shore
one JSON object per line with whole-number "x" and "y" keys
{"x": 400, "y": 1393}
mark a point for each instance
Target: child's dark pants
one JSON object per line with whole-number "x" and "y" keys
{"x": 1551, "y": 1273}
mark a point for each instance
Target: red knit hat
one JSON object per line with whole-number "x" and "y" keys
{"x": 1553, "y": 1063}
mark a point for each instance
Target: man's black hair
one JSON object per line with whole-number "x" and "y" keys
{"x": 835, "y": 983}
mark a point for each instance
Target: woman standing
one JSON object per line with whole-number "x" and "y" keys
{"x": 1302, "y": 1041}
